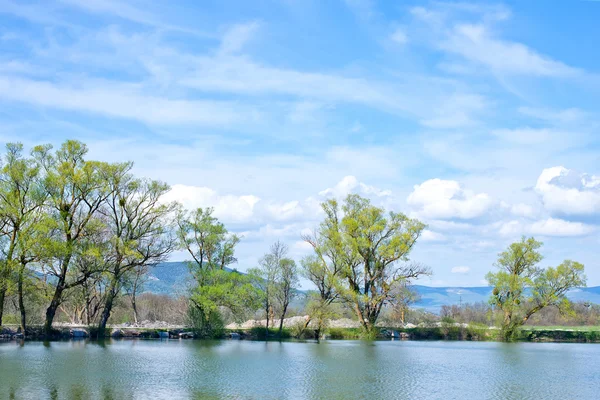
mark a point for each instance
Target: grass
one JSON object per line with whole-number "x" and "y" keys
{"x": 563, "y": 328}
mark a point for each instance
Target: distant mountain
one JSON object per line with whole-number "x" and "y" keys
{"x": 171, "y": 278}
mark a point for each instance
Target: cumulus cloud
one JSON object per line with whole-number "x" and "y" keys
{"x": 227, "y": 207}
{"x": 565, "y": 191}
{"x": 546, "y": 227}
{"x": 460, "y": 270}
{"x": 244, "y": 208}
{"x": 349, "y": 184}
{"x": 431, "y": 236}
{"x": 446, "y": 199}
{"x": 522, "y": 210}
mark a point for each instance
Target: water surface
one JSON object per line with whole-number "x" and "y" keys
{"x": 146, "y": 369}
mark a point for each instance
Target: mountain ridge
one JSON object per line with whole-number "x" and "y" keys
{"x": 171, "y": 278}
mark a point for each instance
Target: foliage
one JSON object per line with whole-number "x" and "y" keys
{"x": 206, "y": 240}
{"x": 212, "y": 249}
{"x": 518, "y": 271}
{"x": 137, "y": 231}
{"x": 366, "y": 251}
{"x": 277, "y": 278}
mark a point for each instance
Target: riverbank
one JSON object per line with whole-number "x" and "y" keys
{"x": 450, "y": 332}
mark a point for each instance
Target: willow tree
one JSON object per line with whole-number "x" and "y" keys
{"x": 264, "y": 277}
{"x": 522, "y": 288}
{"x": 277, "y": 278}
{"x": 323, "y": 269}
{"x": 371, "y": 249}
{"x": 75, "y": 190}
{"x": 212, "y": 249}
{"x": 21, "y": 200}
{"x": 138, "y": 230}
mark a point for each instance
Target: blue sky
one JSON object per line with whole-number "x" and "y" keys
{"x": 481, "y": 119}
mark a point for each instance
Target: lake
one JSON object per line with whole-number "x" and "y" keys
{"x": 186, "y": 369}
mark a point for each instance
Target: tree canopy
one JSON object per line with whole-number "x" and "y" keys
{"x": 522, "y": 287}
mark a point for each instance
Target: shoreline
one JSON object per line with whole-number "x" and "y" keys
{"x": 445, "y": 333}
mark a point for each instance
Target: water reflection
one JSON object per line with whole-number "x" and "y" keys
{"x": 126, "y": 369}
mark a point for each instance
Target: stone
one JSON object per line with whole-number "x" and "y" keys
{"x": 78, "y": 333}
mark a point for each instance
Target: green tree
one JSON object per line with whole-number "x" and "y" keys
{"x": 212, "y": 248}
{"x": 264, "y": 277}
{"x": 21, "y": 200}
{"x": 370, "y": 248}
{"x": 522, "y": 288}
{"x": 287, "y": 284}
{"x": 324, "y": 274}
{"x": 277, "y": 278}
{"x": 138, "y": 230}
{"x": 75, "y": 190}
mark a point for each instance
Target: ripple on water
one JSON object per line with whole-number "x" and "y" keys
{"x": 292, "y": 370}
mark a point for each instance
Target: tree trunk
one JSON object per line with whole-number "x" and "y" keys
{"x": 51, "y": 310}
{"x": 6, "y": 271}
{"x": 111, "y": 294}
{"x": 268, "y": 308}
{"x": 57, "y": 297}
{"x": 281, "y": 320}
{"x": 21, "y": 302}
{"x": 2, "y": 297}
{"x": 134, "y": 306}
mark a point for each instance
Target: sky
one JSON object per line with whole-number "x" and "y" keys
{"x": 480, "y": 119}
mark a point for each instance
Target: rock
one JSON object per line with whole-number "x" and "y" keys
{"x": 7, "y": 331}
{"x": 344, "y": 323}
{"x": 78, "y": 333}
{"x": 117, "y": 333}
{"x": 235, "y": 335}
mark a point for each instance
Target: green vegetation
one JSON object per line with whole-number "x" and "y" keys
{"x": 78, "y": 237}
{"x": 277, "y": 278}
{"x": 518, "y": 271}
{"x": 363, "y": 256}
{"x": 212, "y": 248}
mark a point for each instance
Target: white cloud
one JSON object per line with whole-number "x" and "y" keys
{"x": 431, "y": 236}
{"x": 399, "y": 36}
{"x": 126, "y": 11}
{"x": 124, "y": 101}
{"x": 455, "y": 111}
{"x": 460, "y": 270}
{"x": 567, "y": 192}
{"x": 244, "y": 208}
{"x": 229, "y": 208}
{"x": 349, "y": 184}
{"x": 527, "y": 136}
{"x": 522, "y": 210}
{"x": 559, "y": 227}
{"x": 236, "y": 37}
{"x": 565, "y": 116}
{"x": 546, "y": 227}
{"x": 275, "y": 232}
{"x": 445, "y": 199}
{"x": 475, "y": 43}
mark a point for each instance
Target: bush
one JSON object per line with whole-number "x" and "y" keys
{"x": 206, "y": 326}
{"x": 260, "y": 332}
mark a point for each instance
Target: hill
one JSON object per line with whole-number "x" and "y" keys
{"x": 170, "y": 278}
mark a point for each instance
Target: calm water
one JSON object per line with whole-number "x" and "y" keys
{"x": 292, "y": 370}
